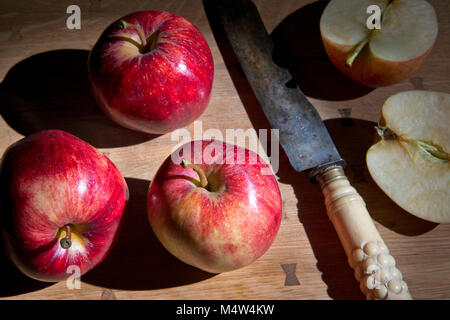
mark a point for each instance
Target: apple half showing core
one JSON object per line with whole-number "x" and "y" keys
{"x": 61, "y": 205}
{"x": 152, "y": 71}
{"x": 378, "y": 57}
{"x": 411, "y": 161}
{"x": 214, "y": 205}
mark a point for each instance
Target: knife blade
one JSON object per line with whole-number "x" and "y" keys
{"x": 287, "y": 109}
{"x": 308, "y": 145}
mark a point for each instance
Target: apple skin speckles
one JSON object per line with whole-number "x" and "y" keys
{"x": 49, "y": 180}
{"x": 156, "y": 91}
{"x": 225, "y": 227}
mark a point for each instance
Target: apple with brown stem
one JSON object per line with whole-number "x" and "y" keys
{"x": 61, "y": 205}
{"x": 152, "y": 71}
{"x": 216, "y": 207}
{"x": 378, "y": 57}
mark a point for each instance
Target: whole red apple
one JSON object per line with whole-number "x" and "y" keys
{"x": 218, "y": 209}
{"x": 61, "y": 204}
{"x": 152, "y": 71}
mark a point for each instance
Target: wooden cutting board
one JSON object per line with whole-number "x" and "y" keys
{"x": 306, "y": 260}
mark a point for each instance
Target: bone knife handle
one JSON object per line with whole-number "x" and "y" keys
{"x": 368, "y": 255}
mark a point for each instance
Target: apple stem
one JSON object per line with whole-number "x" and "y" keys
{"x": 357, "y": 50}
{"x": 124, "y": 25}
{"x": 200, "y": 172}
{"x": 385, "y": 133}
{"x": 66, "y": 242}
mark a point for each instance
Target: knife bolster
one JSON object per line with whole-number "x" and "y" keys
{"x": 368, "y": 255}
{"x": 329, "y": 174}
{"x": 335, "y": 166}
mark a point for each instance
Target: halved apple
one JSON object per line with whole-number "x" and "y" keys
{"x": 411, "y": 162}
{"x": 378, "y": 57}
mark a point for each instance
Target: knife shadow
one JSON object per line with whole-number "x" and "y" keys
{"x": 330, "y": 256}
{"x": 50, "y": 90}
{"x": 298, "y": 47}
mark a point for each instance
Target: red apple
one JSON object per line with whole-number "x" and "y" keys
{"x": 378, "y": 57}
{"x": 152, "y": 71}
{"x": 219, "y": 210}
{"x": 61, "y": 204}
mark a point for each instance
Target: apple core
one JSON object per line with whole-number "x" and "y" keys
{"x": 428, "y": 149}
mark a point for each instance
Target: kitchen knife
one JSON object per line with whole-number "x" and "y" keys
{"x": 309, "y": 147}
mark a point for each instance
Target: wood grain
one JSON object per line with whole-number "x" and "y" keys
{"x": 42, "y": 67}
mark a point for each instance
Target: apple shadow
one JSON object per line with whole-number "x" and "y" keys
{"x": 352, "y": 138}
{"x": 298, "y": 47}
{"x": 51, "y": 90}
{"x": 138, "y": 261}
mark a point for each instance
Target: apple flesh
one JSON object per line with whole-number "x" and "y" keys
{"x": 61, "y": 205}
{"x": 378, "y": 57}
{"x": 151, "y": 71}
{"x": 224, "y": 225}
{"x": 411, "y": 161}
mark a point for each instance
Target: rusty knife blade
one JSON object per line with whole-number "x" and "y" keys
{"x": 302, "y": 134}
